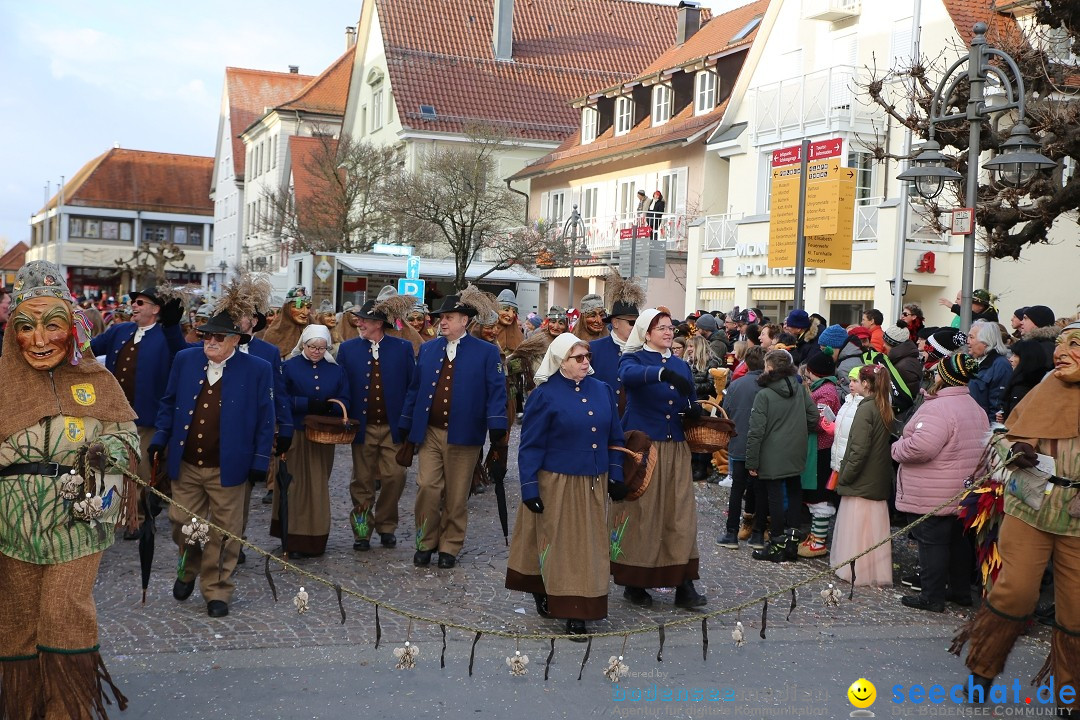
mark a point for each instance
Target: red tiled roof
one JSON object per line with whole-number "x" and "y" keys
{"x": 250, "y": 93}
{"x": 965, "y": 13}
{"x": 15, "y": 257}
{"x": 439, "y": 53}
{"x": 327, "y": 93}
{"x": 142, "y": 180}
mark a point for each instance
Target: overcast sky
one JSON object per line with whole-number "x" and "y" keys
{"x": 147, "y": 75}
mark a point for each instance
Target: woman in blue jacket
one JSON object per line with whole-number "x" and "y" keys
{"x": 654, "y": 539}
{"x": 312, "y": 379}
{"x": 566, "y": 463}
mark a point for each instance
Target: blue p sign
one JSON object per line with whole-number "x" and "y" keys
{"x": 411, "y": 287}
{"x": 412, "y": 269}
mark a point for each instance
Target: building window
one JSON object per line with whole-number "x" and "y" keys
{"x": 705, "y": 92}
{"x": 363, "y": 120}
{"x": 377, "y": 97}
{"x": 590, "y": 120}
{"x": 556, "y": 206}
{"x": 863, "y": 164}
{"x": 661, "y": 104}
{"x": 746, "y": 29}
{"x": 627, "y": 200}
{"x": 624, "y": 115}
{"x": 155, "y": 233}
{"x": 590, "y": 202}
{"x": 273, "y": 154}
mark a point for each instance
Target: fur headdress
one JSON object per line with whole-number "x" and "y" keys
{"x": 624, "y": 296}
{"x": 395, "y": 307}
{"x": 254, "y": 287}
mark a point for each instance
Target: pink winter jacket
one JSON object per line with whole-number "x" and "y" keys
{"x": 940, "y": 448}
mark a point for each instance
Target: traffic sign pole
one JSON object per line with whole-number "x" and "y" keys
{"x": 800, "y": 237}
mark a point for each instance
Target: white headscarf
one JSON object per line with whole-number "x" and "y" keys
{"x": 636, "y": 341}
{"x": 556, "y": 353}
{"x": 314, "y": 332}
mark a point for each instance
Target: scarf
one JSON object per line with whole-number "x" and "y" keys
{"x": 314, "y": 332}
{"x": 556, "y": 353}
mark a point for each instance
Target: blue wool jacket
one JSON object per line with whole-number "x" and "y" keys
{"x": 247, "y": 413}
{"x": 478, "y": 396}
{"x": 567, "y": 429}
{"x": 305, "y": 380}
{"x": 988, "y": 385}
{"x": 652, "y": 406}
{"x": 156, "y": 351}
{"x": 282, "y": 405}
{"x": 605, "y": 361}
{"x": 396, "y": 367}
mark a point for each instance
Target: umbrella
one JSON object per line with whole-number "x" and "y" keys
{"x": 496, "y": 467}
{"x": 283, "y": 480}
{"x": 146, "y": 533}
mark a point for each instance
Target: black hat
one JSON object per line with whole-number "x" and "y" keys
{"x": 367, "y": 311}
{"x": 452, "y": 303}
{"x": 621, "y": 309}
{"x": 151, "y": 294}
{"x": 223, "y": 323}
{"x": 260, "y": 322}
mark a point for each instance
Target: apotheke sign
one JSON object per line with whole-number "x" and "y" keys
{"x": 761, "y": 268}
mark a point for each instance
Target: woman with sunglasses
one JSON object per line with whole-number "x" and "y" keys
{"x": 566, "y": 463}
{"x": 654, "y": 539}
{"x": 312, "y": 379}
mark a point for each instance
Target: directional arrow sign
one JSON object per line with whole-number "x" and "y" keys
{"x": 833, "y": 250}
{"x": 412, "y": 269}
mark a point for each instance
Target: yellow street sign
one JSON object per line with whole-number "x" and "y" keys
{"x": 784, "y": 216}
{"x": 833, "y": 250}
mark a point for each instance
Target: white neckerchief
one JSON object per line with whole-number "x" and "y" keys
{"x": 244, "y": 348}
{"x": 451, "y": 349}
{"x": 649, "y": 348}
{"x": 140, "y": 331}
{"x": 621, "y": 344}
{"x": 214, "y": 370}
{"x": 375, "y": 350}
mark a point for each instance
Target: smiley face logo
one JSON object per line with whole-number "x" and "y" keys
{"x": 862, "y": 693}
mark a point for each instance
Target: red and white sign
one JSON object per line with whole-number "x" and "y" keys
{"x": 963, "y": 221}
{"x": 640, "y": 231}
{"x": 819, "y": 150}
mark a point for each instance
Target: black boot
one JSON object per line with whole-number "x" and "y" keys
{"x": 791, "y": 544}
{"x": 699, "y": 467}
{"x": 576, "y": 628}
{"x": 687, "y": 596}
{"x": 774, "y": 552}
{"x": 541, "y": 600}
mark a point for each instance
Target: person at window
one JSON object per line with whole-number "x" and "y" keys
{"x": 655, "y": 214}
{"x": 642, "y": 206}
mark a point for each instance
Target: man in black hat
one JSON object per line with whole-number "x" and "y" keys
{"x": 140, "y": 353}
{"x": 215, "y": 429}
{"x": 380, "y": 369}
{"x": 458, "y": 391}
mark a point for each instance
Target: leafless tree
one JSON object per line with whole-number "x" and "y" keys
{"x": 149, "y": 263}
{"x": 1012, "y": 217}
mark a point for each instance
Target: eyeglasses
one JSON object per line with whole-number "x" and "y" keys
{"x": 665, "y": 328}
{"x": 140, "y": 302}
{"x": 216, "y": 337}
{"x": 580, "y": 358}
{"x": 319, "y": 348}
{"x": 905, "y": 314}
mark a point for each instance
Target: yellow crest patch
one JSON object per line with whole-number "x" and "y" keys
{"x": 83, "y": 394}
{"x": 74, "y": 429}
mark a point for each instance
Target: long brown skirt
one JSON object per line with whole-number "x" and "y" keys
{"x": 309, "y": 464}
{"x": 653, "y": 540}
{"x": 563, "y": 551}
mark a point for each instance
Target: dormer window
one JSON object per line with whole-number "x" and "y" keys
{"x": 590, "y": 121}
{"x": 624, "y": 115}
{"x": 661, "y": 104}
{"x": 705, "y": 92}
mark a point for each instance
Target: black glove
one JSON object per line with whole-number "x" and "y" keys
{"x": 155, "y": 454}
{"x": 535, "y": 504}
{"x": 497, "y": 437}
{"x": 617, "y": 491}
{"x": 1024, "y": 456}
{"x": 495, "y": 464}
{"x": 282, "y": 444}
{"x": 681, "y": 384}
{"x": 97, "y": 456}
{"x": 171, "y": 313}
{"x": 256, "y": 476}
{"x": 695, "y": 411}
{"x": 318, "y": 407}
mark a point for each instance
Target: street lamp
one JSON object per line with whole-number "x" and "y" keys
{"x": 903, "y": 286}
{"x": 573, "y": 229}
{"x": 1017, "y": 161}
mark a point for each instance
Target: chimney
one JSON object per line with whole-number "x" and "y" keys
{"x": 502, "y": 30}
{"x": 350, "y": 36}
{"x": 294, "y": 69}
{"x": 689, "y": 21}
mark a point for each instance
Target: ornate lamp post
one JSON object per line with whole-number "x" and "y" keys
{"x": 573, "y": 229}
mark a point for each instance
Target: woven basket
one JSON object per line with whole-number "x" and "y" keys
{"x": 331, "y": 430}
{"x": 709, "y": 433}
{"x": 650, "y": 465}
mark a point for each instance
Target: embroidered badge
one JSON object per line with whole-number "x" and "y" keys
{"x": 83, "y": 394}
{"x": 74, "y": 429}
{"x": 499, "y": 368}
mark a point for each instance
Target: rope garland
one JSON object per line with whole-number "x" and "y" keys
{"x": 640, "y": 630}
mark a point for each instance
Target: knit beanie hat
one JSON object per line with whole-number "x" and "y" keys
{"x": 1019, "y": 312}
{"x": 1041, "y": 315}
{"x": 896, "y": 335}
{"x": 860, "y": 332}
{"x": 821, "y": 364}
{"x": 707, "y": 323}
{"x": 797, "y": 319}
{"x": 944, "y": 343}
{"x": 926, "y": 331}
{"x": 957, "y": 370}
{"x": 833, "y": 336}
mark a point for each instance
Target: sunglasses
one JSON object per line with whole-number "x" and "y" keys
{"x": 216, "y": 337}
{"x": 580, "y": 358}
{"x": 140, "y": 302}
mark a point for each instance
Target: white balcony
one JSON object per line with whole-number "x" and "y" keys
{"x": 721, "y": 232}
{"x": 831, "y": 10}
{"x": 602, "y": 234}
{"x": 825, "y": 101}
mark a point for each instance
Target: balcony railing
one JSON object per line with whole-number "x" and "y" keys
{"x": 866, "y": 219}
{"x": 602, "y": 234}
{"x": 831, "y": 10}
{"x": 821, "y": 101}
{"x": 721, "y": 232}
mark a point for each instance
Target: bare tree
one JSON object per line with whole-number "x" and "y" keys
{"x": 1012, "y": 217}
{"x": 336, "y": 201}
{"x": 455, "y": 198}
{"x": 149, "y": 263}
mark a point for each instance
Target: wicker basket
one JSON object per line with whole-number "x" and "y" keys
{"x": 637, "y": 489}
{"x": 709, "y": 433}
{"x": 332, "y": 430}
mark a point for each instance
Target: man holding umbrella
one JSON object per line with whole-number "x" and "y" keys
{"x": 215, "y": 426}
{"x": 379, "y": 368}
{"x": 458, "y": 391}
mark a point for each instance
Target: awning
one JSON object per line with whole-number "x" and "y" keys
{"x": 394, "y": 265}
{"x": 841, "y": 294}
{"x": 717, "y": 294}
{"x": 772, "y": 293}
{"x": 580, "y": 271}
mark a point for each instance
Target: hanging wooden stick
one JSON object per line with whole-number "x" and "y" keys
{"x": 270, "y": 578}
{"x": 547, "y": 665}
{"x": 792, "y": 608}
{"x": 852, "y": 593}
{"x": 472, "y": 652}
{"x": 442, "y": 656}
{"x": 378, "y": 627}
{"x": 764, "y": 618}
{"x": 660, "y": 652}
{"x": 704, "y": 638}
{"x": 588, "y": 649}
{"x": 341, "y": 605}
